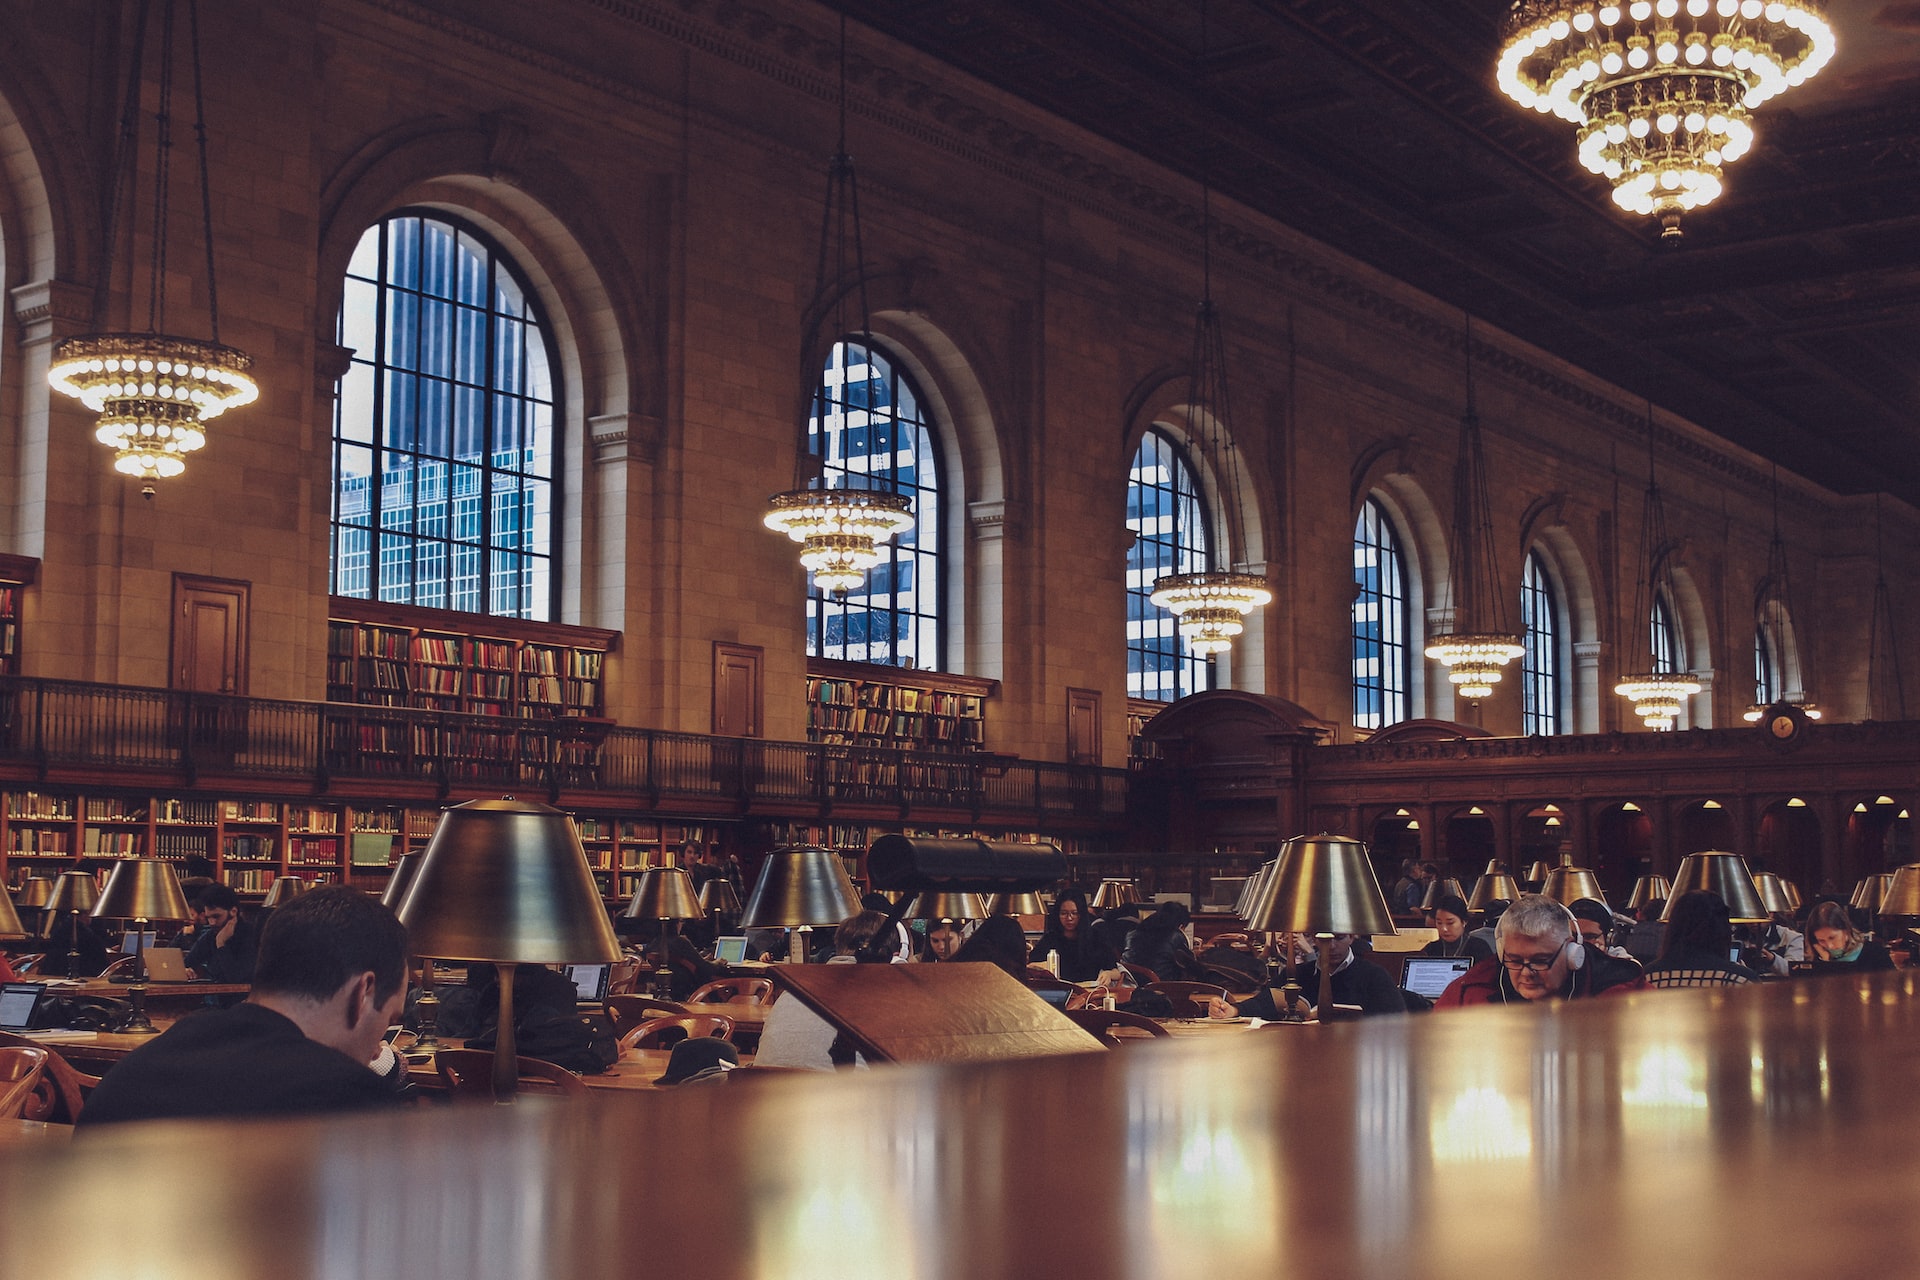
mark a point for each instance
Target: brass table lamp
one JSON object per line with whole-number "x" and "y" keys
{"x": 1322, "y": 885}
{"x": 283, "y": 890}
{"x": 1567, "y": 884}
{"x": 664, "y": 894}
{"x": 10, "y": 926}
{"x": 142, "y": 890}
{"x": 1773, "y": 891}
{"x": 74, "y": 892}
{"x": 1870, "y": 890}
{"x": 947, "y": 906}
{"x": 1492, "y": 886}
{"x": 505, "y": 882}
{"x": 1014, "y": 904}
{"x": 800, "y": 886}
{"x": 717, "y": 899}
{"x": 1649, "y": 889}
{"x": 1438, "y": 889}
{"x": 1114, "y": 893}
{"x": 1725, "y": 874}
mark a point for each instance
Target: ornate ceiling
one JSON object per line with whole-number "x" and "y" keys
{"x": 1788, "y": 320}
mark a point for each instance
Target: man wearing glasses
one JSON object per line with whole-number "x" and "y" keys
{"x": 1538, "y": 955}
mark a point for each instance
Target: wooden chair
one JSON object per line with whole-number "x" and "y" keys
{"x": 1189, "y": 998}
{"x": 625, "y": 975}
{"x": 1234, "y": 980}
{"x": 123, "y": 967}
{"x": 628, "y": 1012}
{"x": 24, "y": 965}
{"x": 20, "y": 1069}
{"x": 664, "y": 1033}
{"x": 1116, "y": 1028}
{"x": 1141, "y": 974}
{"x": 62, "y": 1090}
{"x": 468, "y": 1075}
{"x": 721, "y": 990}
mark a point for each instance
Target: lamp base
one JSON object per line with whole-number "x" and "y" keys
{"x": 138, "y": 1024}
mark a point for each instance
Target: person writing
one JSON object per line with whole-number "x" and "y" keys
{"x": 331, "y": 978}
{"x": 1538, "y": 956}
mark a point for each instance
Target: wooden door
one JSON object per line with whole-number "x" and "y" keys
{"x": 209, "y": 635}
{"x": 1083, "y": 726}
{"x": 736, "y": 690}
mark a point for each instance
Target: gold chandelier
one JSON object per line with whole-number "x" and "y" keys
{"x": 1657, "y": 692}
{"x": 1210, "y": 605}
{"x": 154, "y": 393}
{"x": 1474, "y": 657}
{"x": 841, "y": 531}
{"x": 1661, "y": 91}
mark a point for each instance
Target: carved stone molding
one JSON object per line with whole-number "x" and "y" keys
{"x": 987, "y": 520}
{"x": 624, "y": 437}
{"x": 47, "y": 310}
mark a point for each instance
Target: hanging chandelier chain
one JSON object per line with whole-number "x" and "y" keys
{"x": 163, "y": 169}
{"x": 206, "y": 185}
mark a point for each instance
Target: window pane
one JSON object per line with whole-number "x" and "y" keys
{"x": 1380, "y": 649}
{"x": 1540, "y": 663}
{"x": 1170, "y": 529}
{"x": 441, "y": 328}
{"x": 867, "y": 428}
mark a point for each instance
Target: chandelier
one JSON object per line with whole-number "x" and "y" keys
{"x": 842, "y": 531}
{"x": 1479, "y": 645}
{"x": 1661, "y": 92}
{"x": 154, "y": 392}
{"x": 1210, "y": 604}
{"x": 1657, "y": 691}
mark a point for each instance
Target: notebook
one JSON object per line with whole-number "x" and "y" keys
{"x": 1430, "y": 975}
{"x": 167, "y": 964}
{"x": 590, "y": 981}
{"x": 730, "y": 948}
{"x": 17, "y": 1002}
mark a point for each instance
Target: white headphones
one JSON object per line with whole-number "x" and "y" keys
{"x": 1579, "y": 956}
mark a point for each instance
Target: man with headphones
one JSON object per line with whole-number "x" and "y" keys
{"x": 1538, "y": 955}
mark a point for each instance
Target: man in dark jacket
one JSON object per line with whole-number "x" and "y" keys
{"x": 1356, "y": 982}
{"x": 226, "y": 944}
{"x": 331, "y": 979}
{"x": 1538, "y": 956}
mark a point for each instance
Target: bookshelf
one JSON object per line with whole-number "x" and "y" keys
{"x": 17, "y": 573}
{"x": 860, "y": 705}
{"x": 436, "y": 660}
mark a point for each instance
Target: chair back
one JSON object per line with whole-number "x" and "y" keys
{"x": 24, "y": 965}
{"x": 628, "y": 1012}
{"x": 123, "y": 967}
{"x": 468, "y": 1075}
{"x": 1189, "y": 998}
{"x": 664, "y": 1033}
{"x": 1141, "y": 974}
{"x": 1116, "y": 1027}
{"x": 20, "y": 1070}
{"x": 721, "y": 990}
{"x": 624, "y": 978}
{"x": 61, "y": 1090}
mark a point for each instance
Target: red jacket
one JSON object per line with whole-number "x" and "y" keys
{"x": 1601, "y": 975}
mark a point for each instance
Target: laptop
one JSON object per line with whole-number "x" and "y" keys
{"x": 132, "y": 940}
{"x": 730, "y": 948}
{"x": 167, "y": 964}
{"x": 1430, "y": 975}
{"x": 17, "y": 1003}
{"x": 590, "y": 981}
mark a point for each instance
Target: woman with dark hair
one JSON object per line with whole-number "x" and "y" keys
{"x": 1069, "y": 931}
{"x": 1698, "y": 948}
{"x": 1158, "y": 944}
{"x": 998, "y": 940}
{"x": 1839, "y": 947}
{"x": 1450, "y": 917}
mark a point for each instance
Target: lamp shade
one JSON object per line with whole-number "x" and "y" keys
{"x": 1902, "y": 898}
{"x": 1014, "y": 904}
{"x": 143, "y": 889}
{"x": 1793, "y": 892}
{"x": 10, "y": 926}
{"x": 718, "y": 898}
{"x": 1537, "y": 873}
{"x": 73, "y": 891}
{"x": 285, "y": 889}
{"x": 506, "y": 881}
{"x": 400, "y": 881}
{"x": 800, "y": 885}
{"x": 34, "y": 893}
{"x": 1322, "y": 884}
{"x": 1438, "y": 889}
{"x": 1725, "y": 874}
{"x": 1773, "y": 892}
{"x": 1567, "y": 885}
{"x": 664, "y": 893}
{"x": 1867, "y": 894}
{"x": 1649, "y": 889}
{"x": 947, "y": 906}
{"x": 1255, "y": 886}
{"x": 1494, "y": 886}
{"x": 1114, "y": 893}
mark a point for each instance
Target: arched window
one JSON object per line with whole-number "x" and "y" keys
{"x": 870, "y": 429}
{"x": 1169, "y": 524}
{"x": 1540, "y": 663}
{"x": 1666, "y": 639}
{"x": 1766, "y": 672}
{"x": 443, "y": 427}
{"x": 1380, "y": 649}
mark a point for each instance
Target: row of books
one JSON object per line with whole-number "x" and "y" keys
{"x": 894, "y": 697}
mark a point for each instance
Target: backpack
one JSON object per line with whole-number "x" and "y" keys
{"x": 583, "y": 1043}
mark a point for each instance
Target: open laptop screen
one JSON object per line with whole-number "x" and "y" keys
{"x": 590, "y": 981}
{"x": 1430, "y": 975}
{"x": 146, "y": 941}
{"x": 730, "y": 947}
{"x": 17, "y": 1000}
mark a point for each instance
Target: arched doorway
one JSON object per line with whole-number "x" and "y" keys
{"x": 1622, "y": 848}
{"x": 1543, "y": 838}
{"x": 1468, "y": 843}
{"x": 1702, "y": 826}
{"x": 1789, "y": 842}
{"x": 1394, "y": 838}
{"x": 1879, "y": 836}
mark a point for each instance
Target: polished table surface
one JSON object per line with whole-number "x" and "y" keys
{"x": 1698, "y": 1134}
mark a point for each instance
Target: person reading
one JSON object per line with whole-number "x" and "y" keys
{"x": 330, "y": 979}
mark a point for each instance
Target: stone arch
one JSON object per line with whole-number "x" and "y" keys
{"x": 1423, "y": 542}
{"x": 1696, "y": 646}
{"x": 1567, "y": 565}
{"x": 610, "y": 360}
